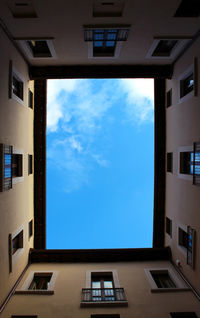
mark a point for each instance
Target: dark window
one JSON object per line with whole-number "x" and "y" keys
{"x": 168, "y": 226}
{"x": 17, "y": 165}
{"x": 30, "y": 164}
{"x": 164, "y": 47}
{"x": 163, "y": 280}
{"x": 30, "y": 98}
{"x": 17, "y": 87}
{"x": 186, "y": 85}
{"x": 17, "y": 242}
{"x": 102, "y": 288}
{"x": 30, "y": 228}
{"x": 186, "y": 162}
{"x": 39, "y": 48}
{"x": 40, "y": 281}
{"x": 191, "y": 244}
{"x": 170, "y": 162}
{"x": 188, "y": 9}
{"x": 182, "y": 238}
{"x": 169, "y": 98}
{"x": 184, "y": 314}
{"x": 5, "y": 167}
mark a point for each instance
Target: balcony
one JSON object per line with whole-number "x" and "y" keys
{"x": 103, "y": 297}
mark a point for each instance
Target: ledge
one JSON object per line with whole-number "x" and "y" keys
{"x": 34, "y": 292}
{"x": 104, "y": 303}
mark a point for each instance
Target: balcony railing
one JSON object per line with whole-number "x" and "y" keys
{"x": 103, "y": 295}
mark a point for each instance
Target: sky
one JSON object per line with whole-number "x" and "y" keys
{"x": 100, "y": 163}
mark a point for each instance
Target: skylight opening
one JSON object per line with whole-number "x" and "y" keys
{"x": 100, "y": 163}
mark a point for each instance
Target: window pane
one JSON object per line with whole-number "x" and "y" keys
{"x": 110, "y": 43}
{"x": 98, "y": 43}
{"x": 7, "y": 165}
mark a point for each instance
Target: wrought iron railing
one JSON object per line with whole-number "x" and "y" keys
{"x": 103, "y": 295}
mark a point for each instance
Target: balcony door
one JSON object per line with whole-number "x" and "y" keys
{"x": 102, "y": 288}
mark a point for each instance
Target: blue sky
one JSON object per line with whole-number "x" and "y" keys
{"x": 100, "y": 144}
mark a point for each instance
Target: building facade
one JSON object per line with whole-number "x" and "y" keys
{"x": 99, "y": 39}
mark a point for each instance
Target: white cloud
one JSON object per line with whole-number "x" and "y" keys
{"x": 54, "y": 103}
{"x": 139, "y": 99}
{"x": 76, "y": 116}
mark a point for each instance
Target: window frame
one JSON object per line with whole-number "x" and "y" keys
{"x": 192, "y": 69}
{"x": 13, "y": 257}
{"x": 5, "y": 149}
{"x": 30, "y": 229}
{"x": 13, "y": 72}
{"x": 24, "y": 289}
{"x": 26, "y": 48}
{"x": 184, "y": 176}
{"x": 30, "y": 164}
{"x": 170, "y": 162}
{"x": 105, "y": 28}
{"x": 180, "y": 285}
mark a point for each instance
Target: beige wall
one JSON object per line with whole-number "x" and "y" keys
{"x": 71, "y": 279}
{"x": 16, "y": 129}
{"x": 182, "y": 197}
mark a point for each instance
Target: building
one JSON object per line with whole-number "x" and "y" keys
{"x": 86, "y": 39}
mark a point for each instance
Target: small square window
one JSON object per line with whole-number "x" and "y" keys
{"x": 17, "y": 87}
{"x": 170, "y": 162}
{"x": 182, "y": 238}
{"x": 164, "y": 47}
{"x": 186, "y": 162}
{"x": 17, "y": 242}
{"x": 169, "y": 98}
{"x": 30, "y": 228}
{"x": 168, "y": 226}
{"x": 17, "y": 160}
{"x": 163, "y": 279}
{"x": 40, "y": 281}
{"x": 39, "y": 48}
{"x": 30, "y": 164}
{"x": 188, "y": 9}
{"x": 30, "y": 98}
{"x": 186, "y": 85}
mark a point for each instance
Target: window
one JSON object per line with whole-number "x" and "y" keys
{"x": 40, "y": 281}
{"x": 186, "y": 240}
{"x": 17, "y": 86}
{"x": 169, "y": 98}
{"x": 16, "y": 246}
{"x": 30, "y": 98}
{"x": 103, "y": 288}
{"x": 182, "y": 238}
{"x": 5, "y": 167}
{"x": 170, "y": 162}
{"x": 108, "y": 8}
{"x": 187, "y": 85}
{"x": 17, "y": 242}
{"x": 105, "y": 316}
{"x": 184, "y": 314}
{"x": 30, "y": 164}
{"x": 186, "y": 162}
{"x": 17, "y": 165}
{"x": 30, "y": 228}
{"x": 105, "y": 42}
{"x": 164, "y": 280}
{"x": 164, "y": 47}
{"x": 168, "y": 226}
{"x": 196, "y": 164}
{"x": 188, "y": 9}
{"x": 39, "y": 48}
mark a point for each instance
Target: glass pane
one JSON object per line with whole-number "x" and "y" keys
{"x": 98, "y": 43}
{"x": 7, "y": 165}
{"x": 98, "y": 35}
{"x": 110, "y": 43}
{"x": 96, "y": 284}
{"x": 108, "y": 284}
{"x": 111, "y": 36}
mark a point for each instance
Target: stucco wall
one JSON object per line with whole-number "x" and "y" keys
{"x": 16, "y": 129}
{"x": 182, "y": 197}
{"x": 71, "y": 278}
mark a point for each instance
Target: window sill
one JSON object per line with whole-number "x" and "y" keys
{"x": 104, "y": 303}
{"x": 34, "y": 292}
{"x": 169, "y": 290}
